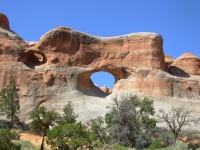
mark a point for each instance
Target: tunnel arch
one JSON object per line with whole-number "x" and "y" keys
{"x": 35, "y": 58}
{"x": 85, "y": 83}
{"x": 103, "y": 80}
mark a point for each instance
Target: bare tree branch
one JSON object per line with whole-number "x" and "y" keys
{"x": 176, "y": 119}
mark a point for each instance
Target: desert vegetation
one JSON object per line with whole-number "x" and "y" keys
{"x": 130, "y": 123}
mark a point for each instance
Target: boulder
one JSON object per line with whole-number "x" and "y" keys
{"x": 105, "y": 89}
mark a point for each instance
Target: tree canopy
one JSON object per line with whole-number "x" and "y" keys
{"x": 42, "y": 119}
{"x": 70, "y": 136}
{"x": 9, "y": 102}
{"x": 176, "y": 119}
{"x": 6, "y": 137}
{"x": 130, "y": 120}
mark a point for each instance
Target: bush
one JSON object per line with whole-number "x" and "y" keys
{"x": 70, "y": 136}
{"x": 6, "y": 137}
{"x": 97, "y": 127}
{"x": 190, "y": 136}
{"x": 98, "y": 144}
{"x": 165, "y": 136}
{"x": 26, "y": 145}
{"x": 119, "y": 147}
{"x": 156, "y": 144}
{"x": 194, "y": 146}
{"x": 181, "y": 145}
{"x": 69, "y": 115}
{"x": 130, "y": 121}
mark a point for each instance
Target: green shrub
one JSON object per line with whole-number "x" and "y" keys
{"x": 181, "y": 145}
{"x": 70, "y": 136}
{"x": 156, "y": 144}
{"x": 194, "y": 146}
{"x": 191, "y": 137}
{"x": 6, "y": 138}
{"x": 97, "y": 127}
{"x": 98, "y": 144}
{"x": 26, "y": 145}
{"x": 130, "y": 121}
{"x": 165, "y": 136}
{"x": 119, "y": 147}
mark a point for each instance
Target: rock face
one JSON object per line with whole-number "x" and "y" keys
{"x": 58, "y": 67}
{"x": 186, "y": 64}
{"x": 4, "y": 23}
{"x": 105, "y": 89}
{"x": 168, "y": 61}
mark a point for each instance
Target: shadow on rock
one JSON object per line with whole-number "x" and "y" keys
{"x": 173, "y": 70}
{"x": 95, "y": 91}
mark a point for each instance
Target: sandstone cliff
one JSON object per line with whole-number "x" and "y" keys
{"x": 58, "y": 67}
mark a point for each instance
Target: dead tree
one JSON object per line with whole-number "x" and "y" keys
{"x": 176, "y": 119}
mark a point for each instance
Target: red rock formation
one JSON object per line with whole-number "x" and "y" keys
{"x": 83, "y": 50}
{"x": 11, "y": 45}
{"x": 186, "y": 64}
{"x": 105, "y": 89}
{"x": 168, "y": 60}
{"x": 4, "y": 23}
{"x": 58, "y": 67}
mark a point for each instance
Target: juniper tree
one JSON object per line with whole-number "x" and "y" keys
{"x": 42, "y": 119}
{"x": 68, "y": 114}
{"x": 70, "y": 136}
{"x": 6, "y": 140}
{"x": 9, "y": 102}
{"x": 98, "y": 128}
{"x": 130, "y": 120}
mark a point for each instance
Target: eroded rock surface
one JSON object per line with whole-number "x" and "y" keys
{"x": 168, "y": 61}
{"x": 4, "y": 23}
{"x": 187, "y": 64}
{"x": 58, "y": 67}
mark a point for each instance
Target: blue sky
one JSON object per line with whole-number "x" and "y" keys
{"x": 178, "y": 21}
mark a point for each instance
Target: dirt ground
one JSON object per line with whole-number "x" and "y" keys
{"x": 34, "y": 139}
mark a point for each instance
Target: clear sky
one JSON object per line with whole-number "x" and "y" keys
{"x": 178, "y": 21}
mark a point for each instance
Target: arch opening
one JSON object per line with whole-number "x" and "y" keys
{"x": 103, "y": 80}
{"x": 86, "y": 84}
{"x": 35, "y": 59}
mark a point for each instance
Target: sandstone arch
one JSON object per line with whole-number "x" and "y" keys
{"x": 103, "y": 79}
{"x": 85, "y": 83}
{"x": 35, "y": 58}
{"x": 136, "y": 61}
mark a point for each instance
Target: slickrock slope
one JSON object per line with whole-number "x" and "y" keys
{"x": 58, "y": 67}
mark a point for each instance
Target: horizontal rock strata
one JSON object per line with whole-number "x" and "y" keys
{"x": 58, "y": 67}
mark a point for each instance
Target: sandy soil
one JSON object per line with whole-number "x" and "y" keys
{"x": 34, "y": 139}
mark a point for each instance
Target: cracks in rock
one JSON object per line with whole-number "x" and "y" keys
{"x": 172, "y": 88}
